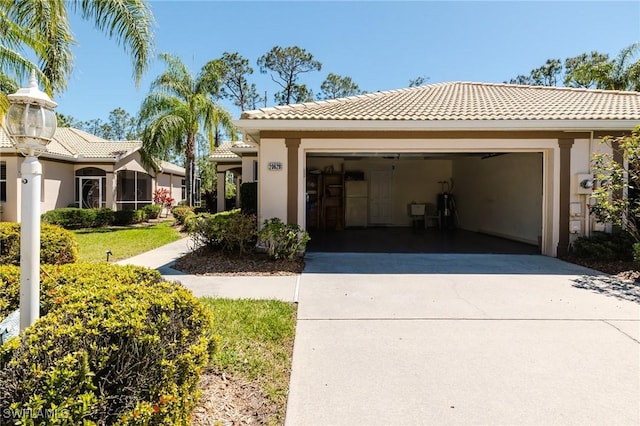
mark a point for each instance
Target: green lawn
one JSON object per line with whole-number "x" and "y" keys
{"x": 123, "y": 242}
{"x": 256, "y": 344}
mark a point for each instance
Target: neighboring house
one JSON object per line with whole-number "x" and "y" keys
{"x": 515, "y": 155}
{"x": 83, "y": 170}
{"x": 239, "y": 158}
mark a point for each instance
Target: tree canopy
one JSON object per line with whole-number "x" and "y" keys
{"x": 336, "y": 86}
{"x": 233, "y": 70}
{"x": 589, "y": 70}
{"x": 286, "y": 64}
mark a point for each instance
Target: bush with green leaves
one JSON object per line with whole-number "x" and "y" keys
{"x": 229, "y": 231}
{"x": 604, "y": 246}
{"x": 129, "y": 217}
{"x": 114, "y": 345}
{"x": 152, "y": 211}
{"x": 616, "y": 197}
{"x": 180, "y": 213}
{"x": 283, "y": 240}
{"x": 57, "y": 245}
{"x": 75, "y": 218}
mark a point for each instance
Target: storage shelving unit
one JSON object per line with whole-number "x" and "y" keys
{"x": 314, "y": 182}
{"x": 332, "y": 201}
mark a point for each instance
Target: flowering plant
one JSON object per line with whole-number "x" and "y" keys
{"x": 162, "y": 197}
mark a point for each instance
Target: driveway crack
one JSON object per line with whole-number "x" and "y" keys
{"x": 629, "y": 336}
{"x": 455, "y": 290}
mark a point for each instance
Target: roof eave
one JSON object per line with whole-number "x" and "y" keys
{"x": 225, "y": 160}
{"x": 253, "y": 126}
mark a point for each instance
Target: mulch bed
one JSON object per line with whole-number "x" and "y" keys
{"x": 206, "y": 262}
{"x": 627, "y": 270}
{"x": 230, "y": 401}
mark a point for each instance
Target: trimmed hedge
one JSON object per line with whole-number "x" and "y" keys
{"x": 605, "y": 246}
{"x": 152, "y": 211}
{"x": 51, "y": 277}
{"x": 76, "y": 218}
{"x": 115, "y": 345}
{"x": 57, "y": 245}
{"x": 128, "y": 217}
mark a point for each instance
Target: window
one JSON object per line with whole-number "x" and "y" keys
{"x": 255, "y": 171}
{"x": 91, "y": 188}
{"x": 3, "y": 181}
{"x": 197, "y": 197}
{"x": 134, "y": 190}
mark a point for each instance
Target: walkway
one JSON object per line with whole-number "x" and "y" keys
{"x": 234, "y": 287}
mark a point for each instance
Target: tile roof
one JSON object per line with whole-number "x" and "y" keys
{"x": 223, "y": 152}
{"x": 75, "y": 143}
{"x": 168, "y": 167}
{"x": 465, "y": 101}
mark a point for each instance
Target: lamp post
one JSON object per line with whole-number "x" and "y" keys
{"x": 31, "y": 124}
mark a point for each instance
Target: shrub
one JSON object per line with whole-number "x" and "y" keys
{"x": 128, "y": 217}
{"x": 604, "y": 246}
{"x": 152, "y": 211}
{"x": 104, "y": 217}
{"x": 51, "y": 277}
{"x": 227, "y": 231}
{"x": 249, "y": 198}
{"x": 57, "y": 245}
{"x": 283, "y": 241}
{"x": 75, "y": 218}
{"x": 636, "y": 252}
{"x": 180, "y": 213}
{"x": 111, "y": 348}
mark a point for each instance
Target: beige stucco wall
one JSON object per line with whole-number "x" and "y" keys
{"x": 59, "y": 185}
{"x": 171, "y": 182}
{"x": 11, "y": 208}
{"x": 247, "y": 169}
{"x": 500, "y": 195}
{"x": 272, "y": 190}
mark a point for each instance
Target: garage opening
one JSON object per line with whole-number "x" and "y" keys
{"x": 471, "y": 202}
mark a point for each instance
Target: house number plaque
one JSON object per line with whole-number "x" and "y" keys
{"x": 274, "y": 165}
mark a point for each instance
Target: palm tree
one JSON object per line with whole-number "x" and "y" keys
{"x": 177, "y": 107}
{"x": 40, "y": 29}
{"x": 624, "y": 71}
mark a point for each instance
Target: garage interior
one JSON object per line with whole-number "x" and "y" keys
{"x": 462, "y": 202}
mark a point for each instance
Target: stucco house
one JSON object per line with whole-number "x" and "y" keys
{"x": 239, "y": 158}
{"x": 83, "y": 170}
{"x": 512, "y": 157}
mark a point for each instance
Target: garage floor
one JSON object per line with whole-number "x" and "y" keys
{"x": 408, "y": 240}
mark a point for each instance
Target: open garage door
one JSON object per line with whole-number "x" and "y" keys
{"x": 425, "y": 202}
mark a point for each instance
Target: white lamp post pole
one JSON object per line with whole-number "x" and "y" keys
{"x": 31, "y": 171}
{"x": 31, "y": 124}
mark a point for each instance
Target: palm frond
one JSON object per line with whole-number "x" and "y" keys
{"x": 49, "y": 20}
{"x": 129, "y": 22}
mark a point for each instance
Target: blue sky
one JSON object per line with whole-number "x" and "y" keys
{"x": 380, "y": 45}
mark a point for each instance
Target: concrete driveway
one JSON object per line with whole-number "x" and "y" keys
{"x": 407, "y": 339}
